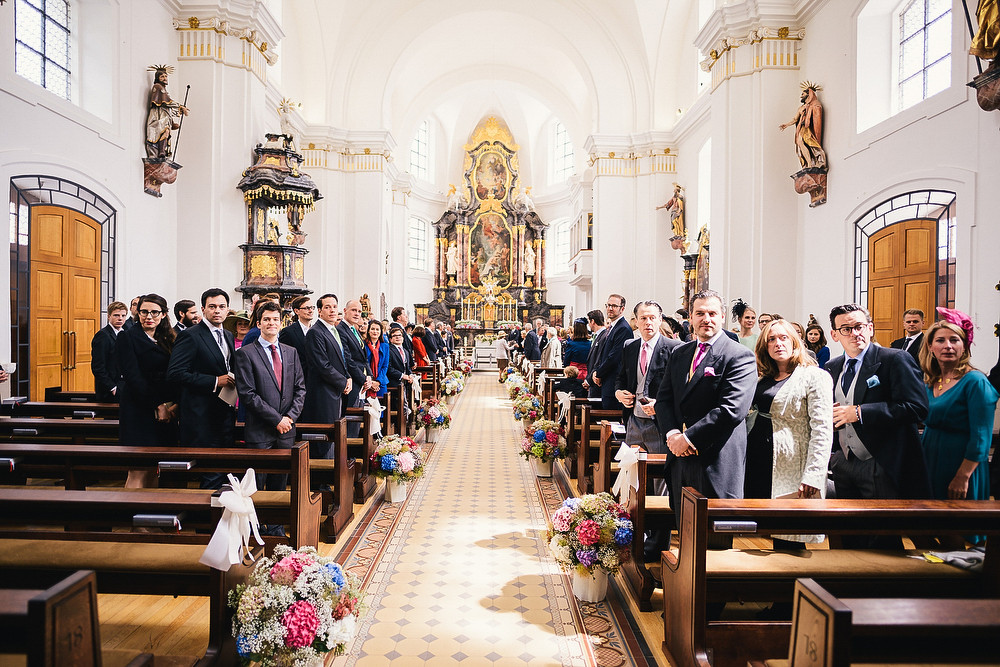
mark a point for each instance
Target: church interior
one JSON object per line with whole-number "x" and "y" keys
{"x": 483, "y": 165}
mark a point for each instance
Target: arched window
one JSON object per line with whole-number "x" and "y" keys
{"x": 563, "y": 157}
{"x": 418, "y": 245}
{"x": 41, "y": 44}
{"x": 420, "y": 152}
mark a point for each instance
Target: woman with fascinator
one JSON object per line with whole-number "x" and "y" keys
{"x": 746, "y": 317}
{"x": 959, "y": 425}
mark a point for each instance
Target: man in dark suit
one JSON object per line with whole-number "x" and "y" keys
{"x": 609, "y": 363}
{"x": 643, "y": 362}
{"x": 595, "y": 322}
{"x": 294, "y": 334}
{"x": 399, "y": 321}
{"x": 879, "y": 399}
{"x": 702, "y": 405}
{"x": 133, "y": 313}
{"x": 400, "y": 373}
{"x": 272, "y": 390}
{"x": 186, "y": 314}
{"x": 913, "y": 325}
{"x": 200, "y": 365}
{"x": 532, "y": 341}
{"x": 329, "y": 380}
{"x": 103, "y": 360}
{"x": 430, "y": 341}
{"x": 357, "y": 359}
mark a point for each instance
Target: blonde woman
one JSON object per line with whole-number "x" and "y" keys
{"x": 788, "y": 449}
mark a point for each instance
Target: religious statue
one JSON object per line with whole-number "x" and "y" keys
{"x": 529, "y": 260}
{"x": 162, "y": 112}
{"x": 675, "y": 206}
{"x": 451, "y": 256}
{"x": 456, "y": 201}
{"x": 523, "y": 201}
{"x": 285, "y": 108}
{"x": 366, "y": 304}
{"x": 986, "y": 45}
{"x": 808, "y": 122}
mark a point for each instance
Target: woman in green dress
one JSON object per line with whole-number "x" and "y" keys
{"x": 959, "y": 425}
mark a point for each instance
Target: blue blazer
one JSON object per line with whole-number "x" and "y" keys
{"x": 382, "y": 376}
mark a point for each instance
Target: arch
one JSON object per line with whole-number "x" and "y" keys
{"x": 30, "y": 190}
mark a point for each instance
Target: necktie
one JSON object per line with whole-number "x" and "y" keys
{"x": 340, "y": 345}
{"x": 276, "y": 364}
{"x": 702, "y": 347}
{"x": 644, "y": 358}
{"x": 848, "y": 377}
{"x": 218, "y": 337}
{"x": 909, "y": 342}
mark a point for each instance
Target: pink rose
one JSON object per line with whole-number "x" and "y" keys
{"x": 588, "y": 532}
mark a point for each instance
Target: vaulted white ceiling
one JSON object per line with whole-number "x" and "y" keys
{"x": 600, "y": 66}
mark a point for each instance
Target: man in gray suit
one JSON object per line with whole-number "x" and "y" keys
{"x": 272, "y": 388}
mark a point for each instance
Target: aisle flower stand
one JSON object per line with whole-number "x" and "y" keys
{"x": 399, "y": 460}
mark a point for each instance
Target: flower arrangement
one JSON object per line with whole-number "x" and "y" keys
{"x": 398, "y": 458}
{"x": 508, "y": 324}
{"x": 486, "y": 338}
{"x": 590, "y": 532}
{"x": 516, "y": 386}
{"x": 452, "y": 385}
{"x": 527, "y": 406}
{"x": 295, "y": 607}
{"x": 468, "y": 324}
{"x": 432, "y": 413}
{"x": 465, "y": 366}
{"x": 544, "y": 441}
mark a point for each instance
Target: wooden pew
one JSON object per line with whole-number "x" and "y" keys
{"x": 587, "y": 451}
{"x": 153, "y": 563}
{"x": 81, "y": 467}
{"x": 59, "y": 410}
{"x": 695, "y": 576}
{"x": 606, "y": 467}
{"x": 59, "y": 431}
{"x": 643, "y": 504}
{"x": 836, "y": 632}
{"x": 573, "y": 422}
{"x": 57, "y": 394}
{"x": 360, "y": 449}
{"x": 395, "y": 412}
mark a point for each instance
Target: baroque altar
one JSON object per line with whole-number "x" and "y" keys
{"x": 489, "y": 269}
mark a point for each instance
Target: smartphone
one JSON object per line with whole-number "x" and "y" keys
{"x": 643, "y": 400}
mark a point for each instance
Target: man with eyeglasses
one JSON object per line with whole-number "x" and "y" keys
{"x": 609, "y": 363}
{"x": 294, "y": 334}
{"x": 201, "y": 365}
{"x": 879, "y": 399}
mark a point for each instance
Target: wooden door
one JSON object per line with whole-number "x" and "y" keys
{"x": 65, "y": 280}
{"x": 902, "y": 273}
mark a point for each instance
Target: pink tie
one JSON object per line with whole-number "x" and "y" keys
{"x": 644, "y": 358}
{"x": 699, "y": 355}
{"x": 276, "y": 363}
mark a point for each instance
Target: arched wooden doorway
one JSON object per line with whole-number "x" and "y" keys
{"x": 62, "y": 267}
{"x": 905, "y": 258}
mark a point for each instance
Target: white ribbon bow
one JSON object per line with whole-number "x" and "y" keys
{"x": 374, "y": 408}
{"x": 628, "y": 474}
{"x": 415, "y": 387}
{"x": 564, "y": 397}
{"x": 541, "y": 382}
{"x": 238, "y": 522}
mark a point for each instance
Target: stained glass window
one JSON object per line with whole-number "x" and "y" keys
{"x": 41, "y": 43}
{"x": 924, "y": 50}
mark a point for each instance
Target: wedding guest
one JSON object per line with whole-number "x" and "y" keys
{"x": 571, "y": 383}
{"x": 238, "y": 324}
{"x": 501, "y": 348}
{"x": 789, "y": 444}
{"x": 746, "y": 317}
{"x": 816, "y": 341}
{"x": 959, "y": 425}
{"x": 578, "y": 348}
{"x": 420, "y": 357}
{"x": 552, "y": 352}
{"x": 377, "y": 351}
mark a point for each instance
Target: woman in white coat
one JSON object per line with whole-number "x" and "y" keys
{"x": 552, "y": 353}
{"x": 788, "y": 448}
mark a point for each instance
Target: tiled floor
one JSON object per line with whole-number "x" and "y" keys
{"x": 461, "y": 574}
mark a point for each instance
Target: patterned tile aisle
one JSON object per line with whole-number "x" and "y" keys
{"x": 460, "y": 572}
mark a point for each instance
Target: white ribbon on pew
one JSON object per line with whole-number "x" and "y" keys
{"x": 239, "y": 521}
{"x": 374, "y": 408}
{"x": 415, "y": 387}
{"x": 541, "y": 383}
{"x": 564, "y": 397}
{"x": 628, "y": 474}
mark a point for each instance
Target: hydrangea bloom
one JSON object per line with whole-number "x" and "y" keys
{"x": 301, "y": 622}
{"x": 336, "y": 574}
{"x": 562, "y": 519}
{"x": 587, "y": 557}
{"x": 389, "y": 462}
{"x": 588, "y": 532}
{"x": 623, "y": 532}
{"x": 539, "y": 436}
{"x": 406, "y": 462}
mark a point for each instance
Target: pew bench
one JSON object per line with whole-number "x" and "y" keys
{"x": 60, "y": 409}
{"x": 573, "y": 431}
{"x": 606, "y": 468}
{"x": 695, "y": 576}
{"x": 57, "y": 394}
{"x": 588, "y": 445}
{"x": 44, "y": 531}
{"x": 360, "y": 449}
{"x": 836, "y": 632}
{"x": 645, "y": 507}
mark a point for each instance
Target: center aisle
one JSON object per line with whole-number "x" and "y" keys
{"x": 465, "y": 576}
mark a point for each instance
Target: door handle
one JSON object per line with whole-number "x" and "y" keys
{"x": 72, "y": 338}
{"x": 65, "y": 351}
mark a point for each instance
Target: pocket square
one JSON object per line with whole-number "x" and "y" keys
{"x": 873, "y": 381}
{"x": 709, "y": 371}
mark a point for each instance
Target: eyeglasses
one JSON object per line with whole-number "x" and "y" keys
{"x": 150, "y": 313}
{"x": 847, "y": 330}
{"x": 613, "y": 305}
{"x": 308, "y": 308}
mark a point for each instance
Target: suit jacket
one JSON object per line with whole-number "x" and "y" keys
{"x": 628, "y": 376}
{"x": 711, "y": 409}
{"x": 914, "y": 348}
{"x": 357, "y": 361}
{"x": 893, "y": 400}
{"x": 399, "y": 365}
{"x": 104, "y": 364}
{"x": 264, "y": 403}
{"x": 610, "y": 362}
{"x": 328, "y": 376}
{"x": 531, "y": 346}
{"x": 143, "y": 386}
{"x": 592, "y": 358}
{"x": 294, "y": 336}
{"x": 195, "y": 363}
{"x": 442, "y": 348}
{"x": 407, "y": 340}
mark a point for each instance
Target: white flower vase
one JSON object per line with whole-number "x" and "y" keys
{"x": 542, "y": 469}
{"x": 395, "y": 492}
{"x": 431, "y": 434}
{"x": 593, "y": 588}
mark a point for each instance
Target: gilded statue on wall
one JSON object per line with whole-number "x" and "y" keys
{"x": 159, "y": 166}
{"x": 678, "y": 226}
{"x": 986, "y": 45}
{"x": 808, "y": 122}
